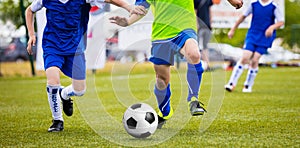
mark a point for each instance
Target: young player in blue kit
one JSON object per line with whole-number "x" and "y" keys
{"x": 63, "y": 49}
{"x": 173, "y": 31}
{"x": 266, "y": 18}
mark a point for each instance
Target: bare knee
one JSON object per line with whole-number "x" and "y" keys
{"x": 255, "y": 60}
{"x": 247, "y": 55}
{"x": 194, "y": 58}
{"x": 53, "y": 77}
{"x": 244, "y": 61}
{"x": 254, "y": 63}
{"x": 53, "y": 81}
{"x": 191, "y": 51}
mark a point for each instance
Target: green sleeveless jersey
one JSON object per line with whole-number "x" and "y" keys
{"x": 172, "y": 17}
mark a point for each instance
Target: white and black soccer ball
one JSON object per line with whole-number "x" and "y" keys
{"x": 140, "y": 120}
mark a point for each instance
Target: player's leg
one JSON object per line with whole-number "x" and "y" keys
{"x": 238, "y": 70}
{"x": 206, "y": 35}
{"x": 194, "y": 75}
{"x": 73, "y": 67}
{"x": 162, "y": 90}
{"x": 205, "y": 60}
{"x": 162, "y": 56}
{"x": 52, "y": 65}
{"x": 194, "y": 67}
{"x": 162, "y": 93}
{"x": 252, "y": 72}
{"x": 77, "y": 88}
{"x": 53, "y": 85}
{"x": 190, "y": 51}
{"x": 201, "y": 47}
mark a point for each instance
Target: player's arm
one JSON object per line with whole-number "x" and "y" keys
{"x": 123, "y": 21}
{"x": 120, "y": 3}
{"x": 246, "y": 13}
{"x": 270, "y": 30}
{"x": 29, "y": 16}
{"x": 280, "y": 22}
{"x": 236, "y": 25}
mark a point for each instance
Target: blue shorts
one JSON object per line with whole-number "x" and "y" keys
{"x": 72, "y": 66}
{"x": 163, "y": 51}
{"x": 255, "y": 48}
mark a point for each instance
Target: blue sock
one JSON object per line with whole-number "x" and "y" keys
{"x": 194, "y": 76}
{"x": 163, "y": 99}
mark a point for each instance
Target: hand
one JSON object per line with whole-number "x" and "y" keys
{"x": 121, "y": 21}
{"x": 236, "y": 3}
{"x": 30, "y": 43}
{"x": 139, "y": 10}
{"x": 269, "y": 32}
{"x": 230, "y": 33}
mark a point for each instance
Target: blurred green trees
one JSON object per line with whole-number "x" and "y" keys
{"x": 10, "y": 10}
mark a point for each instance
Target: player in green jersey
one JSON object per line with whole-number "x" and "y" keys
{"x": 173, "y": 32}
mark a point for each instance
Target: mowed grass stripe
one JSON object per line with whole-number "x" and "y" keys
{"x": 268, "y": 117}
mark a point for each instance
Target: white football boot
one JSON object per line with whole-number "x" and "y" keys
{"x": 229, "y": 87}
{"x": 247, "y": 89}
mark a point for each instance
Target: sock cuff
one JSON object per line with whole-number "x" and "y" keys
{"x": 69, "y": 91}
{"x": 79, "y": 93}
{"x": 198, "y": 67}
{"x": 240, "y": 65}
{"x": 195, "y": 65}
{"x": 52, "y": 88}
{"x": 158, "y": 91}
{"x": 254, "y": 69}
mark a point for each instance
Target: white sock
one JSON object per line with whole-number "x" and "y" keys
{"x": 252, "y": 72}
{"x": 54, "y": 102}
{"x": 236, "y": 73}
{"x": 69, "y": 91}
{"x": 204, "y": 65}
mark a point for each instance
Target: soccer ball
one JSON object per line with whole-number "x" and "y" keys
{"x": 140, "y": 120}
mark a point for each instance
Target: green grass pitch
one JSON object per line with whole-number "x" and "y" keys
{"x": 268, "y": 117}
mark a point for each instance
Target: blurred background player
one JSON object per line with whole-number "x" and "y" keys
{"x": 266, "y": 18}
{"x": 203, "y": 12}
{"x": 173, "y": 31}
{"x": 63, "y": 45}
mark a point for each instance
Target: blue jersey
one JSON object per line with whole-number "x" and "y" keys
{"x": 66, "y": 24}
{"x": 263, "y": 16}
